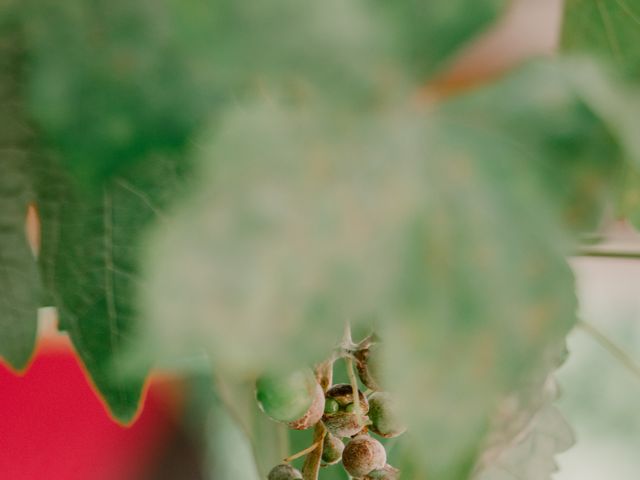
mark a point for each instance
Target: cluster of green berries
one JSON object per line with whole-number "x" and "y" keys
{"x": 298, "y": 400}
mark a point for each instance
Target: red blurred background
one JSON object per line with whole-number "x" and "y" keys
{"x": 53, "y": 426}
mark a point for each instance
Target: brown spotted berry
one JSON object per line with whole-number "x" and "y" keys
{"x": 284, "y": 472}
{"x": 345, "y": 422}
{"x": 363, "y": 455}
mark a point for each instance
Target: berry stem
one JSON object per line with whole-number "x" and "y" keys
{"x": 347, "y": 340}
{"x": 301, "y": 453}
{"x": 311, "y": 467}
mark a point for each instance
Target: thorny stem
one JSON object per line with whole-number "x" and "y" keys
{"x": 311, "y": 467}
{"x": 347, "y": 340}
{"x": 611, "y": 347}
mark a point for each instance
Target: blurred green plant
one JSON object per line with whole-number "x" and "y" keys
{"x": 241, "y": 180}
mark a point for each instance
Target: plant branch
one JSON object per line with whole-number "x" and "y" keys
{"x": 348, "y": 341}
{"x": 354, "y": 388}
{"x": 631, "y": 255}
{"x": 605, "y": 342}
{"x": 301, "y": 453}
{"x": 311, "y": 467}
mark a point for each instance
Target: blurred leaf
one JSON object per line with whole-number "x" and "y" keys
{"x": 113, "y": 88}
{"x": 443, "y": 231}
{"x": 430, "y": 32}
{"x": 629, "y": 196}
{"x": 19, "y": 280}
{"x": 616, "y": 102}
{"x": 273, "y": 250}
{"x": 610, "y": 29}
{"x": 90, "y": 252}
{"x": 531, "y": 454}
{"x": 126, "y": 79}
{"x": 571, "y": 125}
{"x": 514, "y": 162}
{"x": 485, "y": 297}
{"x": 337, "y": 47}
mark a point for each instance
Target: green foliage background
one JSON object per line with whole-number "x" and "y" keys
{"x": 239, "y": 179}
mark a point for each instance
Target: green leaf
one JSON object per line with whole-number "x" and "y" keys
{"x": 90, "y": 252}
{"x": 115, "y": 88}
{"x": 610, "y": 29}
{"x": 429, "y": 33}
{"x": 337, "y": 47}
{"x": 19, "y": 280}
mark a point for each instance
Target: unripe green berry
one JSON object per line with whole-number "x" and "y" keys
{"x": 332, "y": 449}
{"x": 385, "y": 473}
{"x": 363, "y": 455}
{"x": 344, "y": 423}
{"x": 350, "y": 408}
{"x": 313, "y": 414}
{"x": 284, "y": 472}
{"x": 331, "y": 406}
{"x": 285, "y": 397}
{"x": 383, "y": 415}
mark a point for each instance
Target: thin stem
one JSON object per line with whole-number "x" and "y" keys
{"x": 348, "y": 341}
{"x": 611, "y": 347}
{"x": 609, "y": 254}
{"x": 354, "y": 387}
{"x": 311, "y": 467}
{"x": 301, "y": 453}
{"x": 283, "y": 440}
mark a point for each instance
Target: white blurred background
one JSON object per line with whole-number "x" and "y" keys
{"x": 600, "y": 398}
